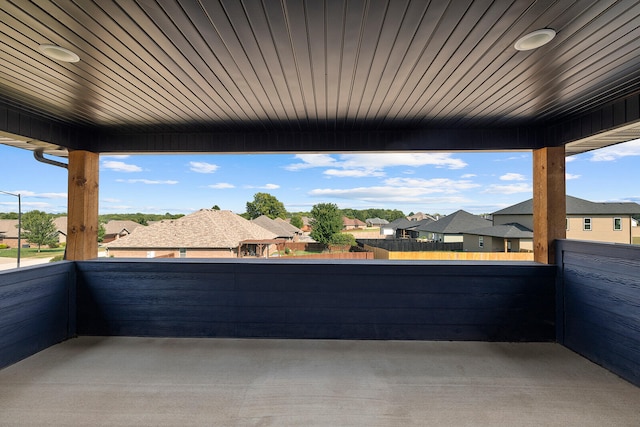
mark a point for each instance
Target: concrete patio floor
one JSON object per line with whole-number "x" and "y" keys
{"x": 239, "y": 382}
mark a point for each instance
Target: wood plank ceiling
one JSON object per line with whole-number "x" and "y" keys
{"x": 179, "y": 65}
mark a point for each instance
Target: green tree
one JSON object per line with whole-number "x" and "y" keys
{"x": 101, "y": 232}
{"x": 327, "y": 221}
{"x": 215, "y": 207}
{"x": 296, "y": 221}
{"x": 266, "y": 204}
{"x": 38, "y": 228}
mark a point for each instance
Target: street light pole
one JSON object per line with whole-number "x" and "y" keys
{"x": 19, "y": 222}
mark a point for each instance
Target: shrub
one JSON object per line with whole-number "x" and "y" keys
{"x": 57, "y": 258}
{"x": 343, "y": 239}
{"x": 3, "y": 246}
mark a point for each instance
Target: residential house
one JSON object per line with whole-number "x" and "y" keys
{"x": 9, "y": 232}
{"x": 306, "y": 224}
{"x": 352, "y": 223}
{"x": 586, "y": 220}
{"x": 499, "y": 238}
{"x": 419, "y": 216}
{"x": 61, "y": 228}
{"x": 279, "y": 227}
{"x": 376, "y": 222}
{"x": 397, "y": 228}
{"x": 116, "y": 229}
{"x": 418, "y": 230}
{"x": 451, "y": 228}
{"x": 206, "y": 233}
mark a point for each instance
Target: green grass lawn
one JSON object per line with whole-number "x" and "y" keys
{"x": 31, "y": 253}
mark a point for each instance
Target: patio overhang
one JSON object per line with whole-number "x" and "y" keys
{"x": 166, "y": 76}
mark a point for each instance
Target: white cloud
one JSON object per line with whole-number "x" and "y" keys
{"x": 512, "y": 177}
{"x": 221, "y": 186}
{"x": 402, "y": 190}
{"x": 27, "y": 193}
{"x": 110, "y": 200}
{"x": 120, "y": 166}
{"x": 468, "y": 175}
{"x": 114, "y": 156}
{"x": 380, "y": 161}
{"x": 311, "y": 161}
{"x": 353, "y": 173}
{"x": 509, "y": 189}
{"x": 373, "y": 164}
{"x": 434, "y": 185}
{"x": 203, "y": 167}
{"x": 570, "y": 159}
{"x": 264, "y": 187}
{"x": 570, "y": 176}
{"x": 614, "y": 152}
{"x": 147, "y": 181}
{"x": 385, "y": 194}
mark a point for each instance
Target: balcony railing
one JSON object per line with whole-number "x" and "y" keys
{"x": 589, "y": 302}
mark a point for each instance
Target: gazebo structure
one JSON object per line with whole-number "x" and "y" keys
{"x": 80, "y": 79}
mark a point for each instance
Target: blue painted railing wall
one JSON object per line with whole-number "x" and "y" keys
{"x": 341, "y": 300}
{"x": 599, "y": 304}
{"x": 37, "y": 309}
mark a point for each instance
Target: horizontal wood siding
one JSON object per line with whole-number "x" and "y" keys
{"x": 600, "y": 297}
{"x": 317, "y": 299}
{"x": 37, "y": 309}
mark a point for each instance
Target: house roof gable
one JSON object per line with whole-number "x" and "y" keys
{"x": 577, "y": 206}
{"x": 205, "y": 228}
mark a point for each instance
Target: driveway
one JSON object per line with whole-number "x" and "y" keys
{"x": 9, "y": 263}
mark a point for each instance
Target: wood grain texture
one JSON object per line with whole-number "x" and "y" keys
{"x": 600, "y": 301}
{"x": 370, "y": 300}
{"x": 82, "y": 223}
{"x": 549, "y": 202}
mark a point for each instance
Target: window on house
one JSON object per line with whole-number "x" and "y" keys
{"x": 183, "y": 253}
{"x": 481, "y": 241}
{"x": 566, "y": 224}
{"x": 617, "y": 224}
{"x": 586, "y": 226}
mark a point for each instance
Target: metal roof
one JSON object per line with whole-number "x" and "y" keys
{"x": 244, "y": 75}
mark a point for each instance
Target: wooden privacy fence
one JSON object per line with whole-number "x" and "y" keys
{"x": 409, "y": 245}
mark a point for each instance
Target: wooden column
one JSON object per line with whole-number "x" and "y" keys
{"x": 82, "y": 223}
{"x": 549, "y": 202}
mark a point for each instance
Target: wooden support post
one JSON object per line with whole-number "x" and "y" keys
{"x": 82, "y": 222}
{"x": 549, "y": 202}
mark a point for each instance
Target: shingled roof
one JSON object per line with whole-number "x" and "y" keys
{"x": 116, "y": 226}
{"x": 205, "y": 228}
{"x": 576, "y": 206}
{"x": 276, "y": 227}
{"x": 505, "y": 231}
{"x": 9, "y": 228}
{"x": 456, "y": 223}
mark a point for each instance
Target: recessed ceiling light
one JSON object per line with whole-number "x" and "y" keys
{"x": 58, "y": 53}
{"x": 535, "y": 39}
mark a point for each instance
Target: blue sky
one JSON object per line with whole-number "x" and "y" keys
{"x": 427, "y": 182}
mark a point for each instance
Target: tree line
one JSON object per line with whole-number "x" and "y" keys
{"x": 326, "y": 219}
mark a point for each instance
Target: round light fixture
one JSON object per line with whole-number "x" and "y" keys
{"x": 58, "y": 53}
{"x": 535, "y": 39}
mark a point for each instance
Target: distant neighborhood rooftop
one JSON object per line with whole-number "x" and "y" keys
{"x": 576, "y": 206}
{"x": 456, "y": 223}
{"x": 205, "y": 228}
